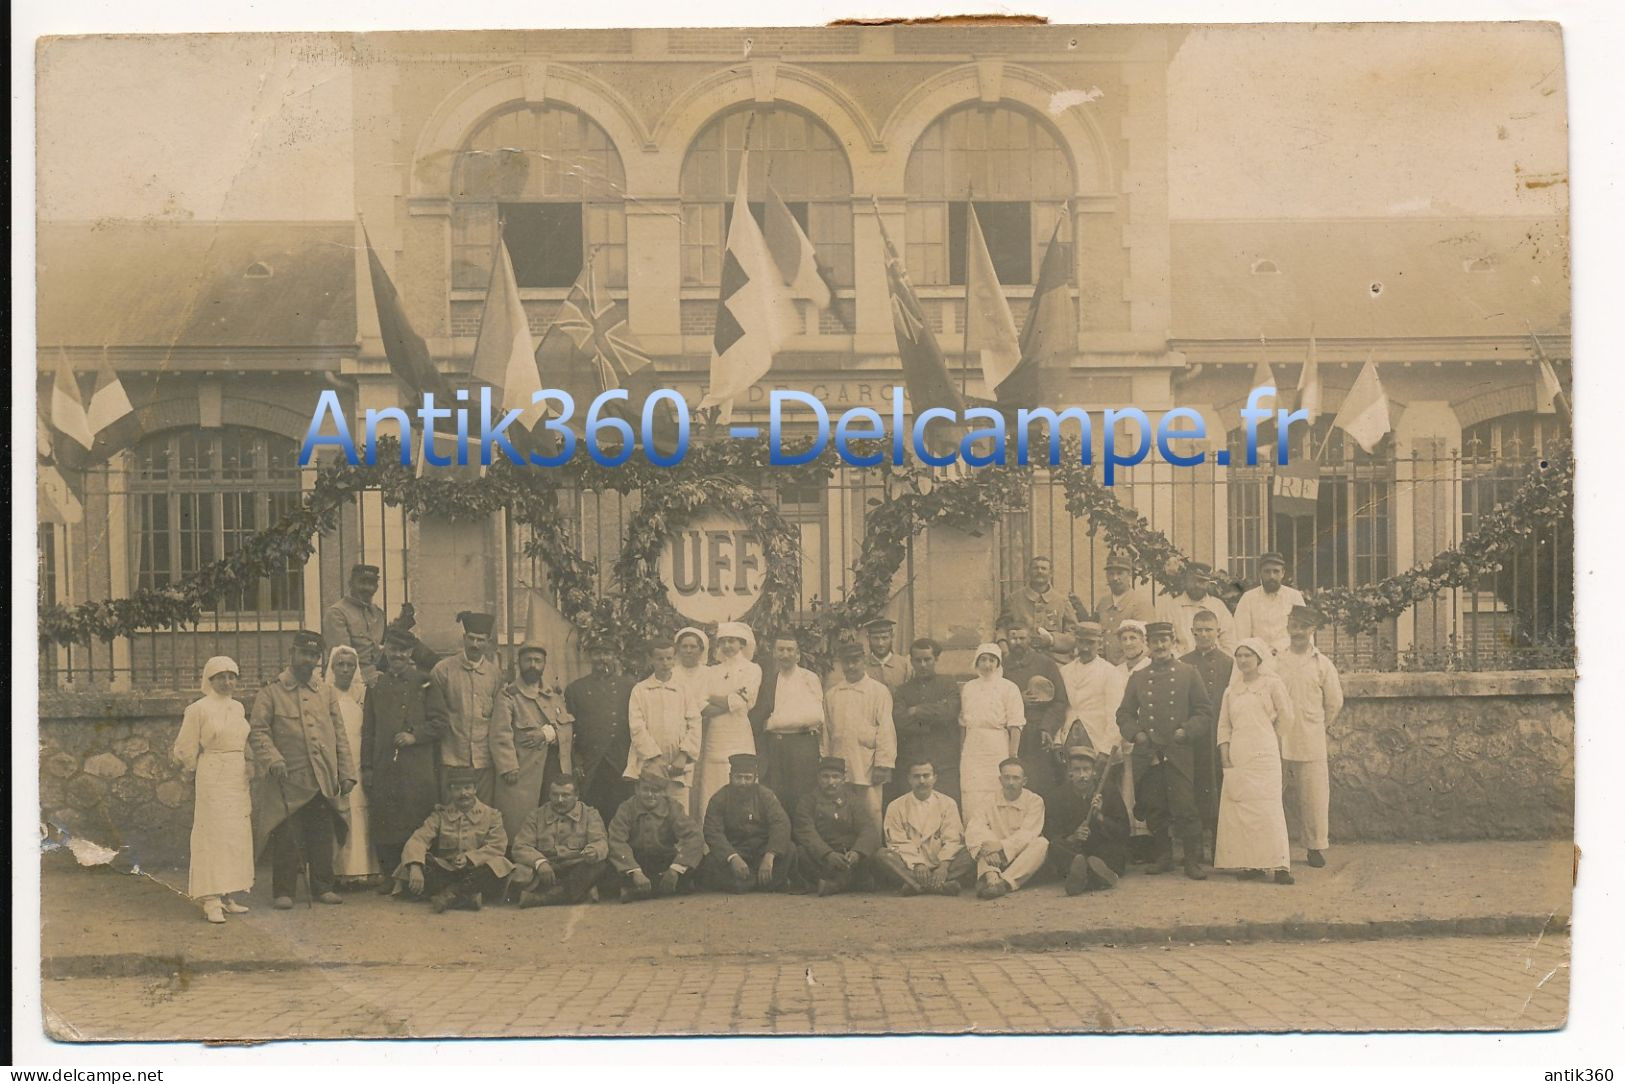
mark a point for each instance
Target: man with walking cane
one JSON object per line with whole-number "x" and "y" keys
{"x": 299, "y": 743}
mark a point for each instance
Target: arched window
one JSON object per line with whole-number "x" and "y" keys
{"x": 197, "y": 494}
{"x": 794, "y": 153}
{"x": 553, "y": 179}
{"x": 1012, "y": 165}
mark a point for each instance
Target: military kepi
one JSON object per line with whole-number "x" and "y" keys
{"x": 363, "y": 572}
{"x": 396, "y": 636}
{"x": 306, "y": 638}
{"x": 460, "y": 776}
{"x": 1158, "y": 628}
{"x": 879, "y": 624}
{"x": 477, "y": 623}
{"x": 832, "y": 764}
{"x": 743, "y": 762}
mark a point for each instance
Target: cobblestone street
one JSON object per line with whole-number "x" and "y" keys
{"x": 1410, "y": 984}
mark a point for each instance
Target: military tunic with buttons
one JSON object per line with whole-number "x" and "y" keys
{"x": 361, "y": 626}
{"x": 1161, "y": 698}
{"x": 531, "y": 735}
{"x": 746, "y": 819}
{"x": 600, "y": 705}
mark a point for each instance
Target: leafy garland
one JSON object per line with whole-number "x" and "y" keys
{"x": 714, "y": 476}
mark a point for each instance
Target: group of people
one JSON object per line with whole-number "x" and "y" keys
{"x": 1086, "y": 741}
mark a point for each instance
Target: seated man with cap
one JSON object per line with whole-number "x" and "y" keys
{"x": 835, "y": 835}
{"x": 1263, "y": 610}
{"x": 925, "y": 840}
{"x": 748, "y": 834}
{"x": 882, "y": 663}
{"x": 354, "y": 621}
{"x": 654, "y": 845}
{"x": 561, "y": 851}
{"x": 1165, "y": 712}
{"x": 463, "y": 693}
{"x": 1006, "y": 836}
{"x": 458, "y": 855}
{"x": 1087, "y": 824}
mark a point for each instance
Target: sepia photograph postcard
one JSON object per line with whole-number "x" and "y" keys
{"x": 868, "y": 529}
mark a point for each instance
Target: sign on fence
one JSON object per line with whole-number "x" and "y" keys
{"x": 1296, "y": 488}
{"x": 713, "y": 568}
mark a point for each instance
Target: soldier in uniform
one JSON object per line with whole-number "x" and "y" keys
{"x": 834, "y": 833}
{"x": 747, "y": 833}
{"x": 1214, "y": 664}
{"x": 1087, "y": 831}
{"x": 925, "y": 714}
{"x": 355, "y": 621}
{"x": 562, "y": 849}
{"x": 1165, "y": 711}
{"x": 599, "y": 703}
{"x": 462, "y": 694}
{"x": 654, "y": 845}
{"x": 1039, "y": 606}
{"x": 458, "y": 855}
{"x": 297, "y": 735}
{"x": 882, "y": 663}
{"x": 1043, "y": 696}
{"x": 1122, "y": 602}
{"x": 531, "y": 739}
{"x": 400, "y": 754}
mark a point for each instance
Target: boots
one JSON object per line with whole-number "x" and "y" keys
{"x": 1193, "y": 868}
{"x": 213, "y": 911}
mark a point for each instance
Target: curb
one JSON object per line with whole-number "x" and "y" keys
{"x": 140, "y": 965}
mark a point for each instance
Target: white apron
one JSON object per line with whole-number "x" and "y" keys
{"x": 356, "y": 858}
{"x": 724, "y": 735}
{"x": 1252, "y": 823}
{"x": 214, "y": 742}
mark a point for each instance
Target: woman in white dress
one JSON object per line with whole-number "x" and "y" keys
{"x": 1252, "y": 834}
{"x": 356, "y": 861}
{"x": 730, "y": 693}
{"x": 213, "y": 742}
{"x": 991, "y": 714}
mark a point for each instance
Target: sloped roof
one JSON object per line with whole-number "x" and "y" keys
{"x": 184, "y": 284}
{"x": 1392, "y": 277}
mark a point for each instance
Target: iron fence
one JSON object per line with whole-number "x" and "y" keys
{"x": 1367, "y": 518}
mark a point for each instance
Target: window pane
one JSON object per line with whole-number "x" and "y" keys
{"x": 544, "y": 241}
{"x": 1007, "y": 228}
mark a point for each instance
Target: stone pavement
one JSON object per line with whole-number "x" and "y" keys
{"x": 1402, "y": 984}
{"x": 101, "y": 923}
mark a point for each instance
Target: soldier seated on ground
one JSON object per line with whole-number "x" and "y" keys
{"x": 561, "y": 851}
{"x": 1087, "y": 824}
{"x": 654, "y": 845}
{"x": 925, "y": 840}
{"x": 748, "y": 834}
{"x": 457, "y": 857}
{"x": 835, "y": 836}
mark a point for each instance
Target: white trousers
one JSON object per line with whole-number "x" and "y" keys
{"x": 1307, "y": 795}
{"x": 1023, "y": 864}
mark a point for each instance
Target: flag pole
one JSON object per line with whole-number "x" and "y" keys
{"x": 970, "y": 217}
